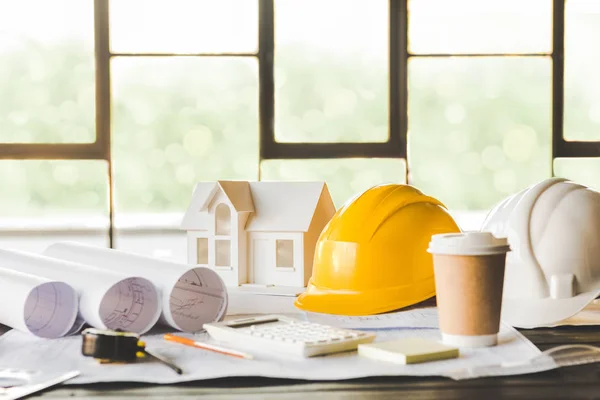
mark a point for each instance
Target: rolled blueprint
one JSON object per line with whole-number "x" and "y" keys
{"x": 107, "y": 300}
{"x": 191, "y": 296}
{"x": 34, "y": 304}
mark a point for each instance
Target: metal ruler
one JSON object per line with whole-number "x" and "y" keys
{"x": 561, "y": 356}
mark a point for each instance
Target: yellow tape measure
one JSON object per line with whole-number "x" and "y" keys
{"x": 116, "y": 346}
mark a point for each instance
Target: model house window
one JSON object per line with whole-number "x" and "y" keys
{"x": 223, "y": 220}
{"x": 223, "y": 253}
{"x": 202, "y": 252}
{"x": 285, "y": 254}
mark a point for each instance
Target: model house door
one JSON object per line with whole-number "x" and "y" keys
{"x": 261, "y": 261}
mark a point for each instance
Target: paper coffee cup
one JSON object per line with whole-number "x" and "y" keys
{"x": 469, "y": 278}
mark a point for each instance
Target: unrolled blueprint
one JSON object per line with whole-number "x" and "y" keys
{"x": 589, "y": 316}
{"x": 423, "y": 318}
{"x": 19, "y": 350}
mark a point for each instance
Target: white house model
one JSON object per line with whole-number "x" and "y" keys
{"x": 261, "y": 233}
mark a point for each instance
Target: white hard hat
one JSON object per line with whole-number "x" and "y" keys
{"x": 553, "y": 270}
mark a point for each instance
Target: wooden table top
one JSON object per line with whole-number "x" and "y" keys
{"x": 579, "y": 382}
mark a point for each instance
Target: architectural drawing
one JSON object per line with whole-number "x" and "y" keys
{"x": 130, "y": 305}
{"x": 198, "y": 296}
{"x": 190, "y": 296}
{"x": 127, "y": 305}
{"x": 259, "y": 233}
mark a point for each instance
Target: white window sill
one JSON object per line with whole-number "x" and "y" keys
{"x": 469, "y": 220}
{"x": 156, "y": 235}
{"x": 223, "y": 268}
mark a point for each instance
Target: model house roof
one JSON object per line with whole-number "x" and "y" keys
{"x": 238, "y": 192}
{"x": 284, "y": 206}
{"x": 274, "y": 206}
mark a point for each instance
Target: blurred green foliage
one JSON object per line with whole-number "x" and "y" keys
{"x": 177, "y": 121}
{"x": 327, "y": 98}
{"x": 479, "y": 129}
{"x": 47, "y": 94}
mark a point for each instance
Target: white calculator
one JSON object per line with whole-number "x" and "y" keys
{"x": 276, "y": 333}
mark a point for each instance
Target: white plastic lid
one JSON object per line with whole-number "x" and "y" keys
{"x": 468, "y": 244}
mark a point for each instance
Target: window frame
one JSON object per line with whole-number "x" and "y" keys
{"x": 562, "y": 148}
{"x": 269, "y": 148}
{"x": 393, "y": 147}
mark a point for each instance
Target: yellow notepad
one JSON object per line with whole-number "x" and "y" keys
{"x": 407, "y": 351}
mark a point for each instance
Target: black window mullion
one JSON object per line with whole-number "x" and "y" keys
{"x": 558, "y": 77}
{"x": 103, "y": 100}
{"x": 398, "y": 77}
{"x": 266, "y": 77}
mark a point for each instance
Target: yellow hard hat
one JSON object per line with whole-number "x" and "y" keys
{"x": 372, "y": 256}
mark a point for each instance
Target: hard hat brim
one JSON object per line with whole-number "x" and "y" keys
{"x": 354, "y": 303}
{"x": 546, "y": 312}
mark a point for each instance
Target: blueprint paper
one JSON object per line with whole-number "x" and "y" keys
{"x": 191, "y": 295}
{"x": 243, "y": 301}
{"x": 414, "y": 318}
{"x": 589, "y": 316}
{"x": 24, "y": 351}
{"x": 36, "y": 305}
{"x": 419, "y": 317}
{"x": 107, "y": 300}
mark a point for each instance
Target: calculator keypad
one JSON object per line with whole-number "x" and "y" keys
{"x": 303, "y": 332}
{"x": 276, "y": 333}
